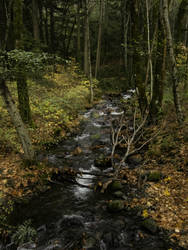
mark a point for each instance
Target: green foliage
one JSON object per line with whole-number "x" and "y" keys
{"x": 31, "y": 64}
{"x": 25, "y": 233}
{"x": 168, "y": 143}
{"x": 6, "y": 208}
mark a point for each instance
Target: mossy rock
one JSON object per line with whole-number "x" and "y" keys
{"x": 102, "y": 162}
{"x": 118, "y": 194}
{"x": 115, "y": 206}
{"x": 154, "y": 176}
{"x": 95, "y": 137}
{"x": 115, "y": 186}
{"x": 135, "y": 159}
{"x": 150, "y": 225}
{"x": 95, "y": 115}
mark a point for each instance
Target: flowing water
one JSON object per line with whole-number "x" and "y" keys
{"x": 72, "y": 216}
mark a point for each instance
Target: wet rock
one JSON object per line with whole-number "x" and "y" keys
{"x": 150, "y": 225}
{"x": 27, "y": 246}
{"x": 135, "y": 159}
{"x": 72, "y": 220}
{"x": 115, "y": 186}
{"x": 115, "y": 206}
{"x": 54, "y": 246}
{"x": 90, "y": 243}
{"x": 95, "y": 114}
{"x": 102, "y": 161}
{"x": 118, "y": 194}
{"x": 154, "y": 176}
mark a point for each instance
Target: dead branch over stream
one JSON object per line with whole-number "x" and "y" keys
{"x": 129, "y": 136}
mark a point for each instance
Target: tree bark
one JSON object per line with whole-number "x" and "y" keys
{"x": 159, "y": 76}
{"x": 86, "y": 35}
{"x": 5, "y": 20}
{"x": 22, "y": 89}
{"x": 98, "y": 56}
{"x": 181, "y": 21}
{"x": 23, "y": 99}
{"x": 35, "y": 16}
{"x": 149, "y": 51}
{"x": 138, "y": 60}
{"x": 174, "y": 72}
{"x": 17, "y": 122}
{"x": 78, "y": 33}
{"x": 88, "y": 59}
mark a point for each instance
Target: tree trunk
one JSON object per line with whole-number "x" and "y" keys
{"x": 149, "y": 51}
{"x": 159, "y": 76}
{"x": 86, "y": 35}
{"x": 5, "y": 20}
{"x": 174, "y": 72}
{"x": 126, "y": 20}
{"x": 23, "y": 99}
{"x": 22, "y": 89}
{"x": 52, "y": 31}
{"x": 181, "y": 21}
{"x": 35, "y": 16}
{"x": 46, "y": 26}
{"x": 87, "y": 52}
{"x": 17, "y": 122}
{"x": 138, "y": 60}
{"x": 98, "y": 56}
{"x": 78, "y": 33}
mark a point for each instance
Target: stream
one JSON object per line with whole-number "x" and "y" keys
{"x": 71, "y": 216}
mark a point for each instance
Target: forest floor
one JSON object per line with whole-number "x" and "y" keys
{"x": 55, "y": 105}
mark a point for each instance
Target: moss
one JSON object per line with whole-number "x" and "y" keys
{"x": 115, "y": 206}
{"x": 150, "y": 225}
{"x": 154, "y": 176}
{"x": 168, "y": 144}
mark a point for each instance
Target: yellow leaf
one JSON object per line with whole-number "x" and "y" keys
{"x": 145, "y": 213}
{"x": 166, "y": 192}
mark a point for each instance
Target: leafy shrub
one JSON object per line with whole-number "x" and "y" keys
{"x": 25, "y": 233}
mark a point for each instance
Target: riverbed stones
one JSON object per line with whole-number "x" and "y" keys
{"x": 28, "y": 246}
{"x": 102, "y": 161}
{"x": 135, "y": 159}
{"x": 115, "y": 186}
{"x": 115, "y": 206}
{"x": 118, "y": 194}
{"x": 154, "y": 176}
{"x": 150, "y": 225}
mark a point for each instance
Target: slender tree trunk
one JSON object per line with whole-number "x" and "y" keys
{"x": 35, "y": 16}
{"x": 149, "y": 51}
{"x": 138, "y": 61}
{"x": 70, "y": 38}
{"x": 46, "y": 26}
{"x": 78, "y": 33}
{"x": 159, "y": 76}
{"x": 17, "y": 121}
{"x": 86, "y": 35}
{"x": 87, "y": 52}
{"x": 41, "y": 21}
{"x": 22, "y": 89}
{"x": 181, "y": 21}
{"x": 23, "y": 99}
{"x": 174, "y": 72}
{"x": 97, "y": 65}
{"x": 52, "y": 31}
{"x": 5, "y": 20}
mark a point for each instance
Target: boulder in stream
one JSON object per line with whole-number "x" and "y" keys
{"x": 150, "y": 225}
{"x": 115, "y": 186}
{"x": 28, "y": 246}
{"x": 115, "y": 206}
